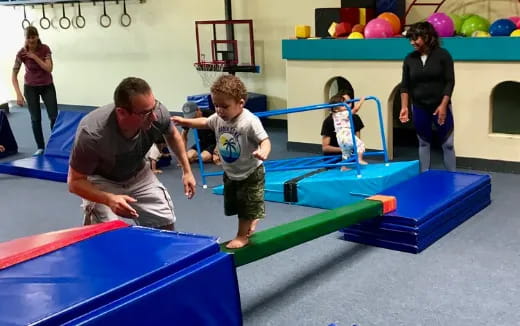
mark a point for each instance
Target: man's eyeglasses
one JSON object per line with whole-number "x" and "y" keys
{"x": 147, "y": 114}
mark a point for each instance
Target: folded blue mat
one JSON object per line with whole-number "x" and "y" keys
{"x": 423, "y": 232}
{"x": 54, "y": 163}
{"x": 428, "y": 207}
{"x": 332, "y": 188}
{"x": 420, "y": 246}
{"x": 427, "y": 194}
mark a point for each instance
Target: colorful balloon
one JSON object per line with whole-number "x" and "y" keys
{"x": 378, "y": 28}
{"x": 393, "y": 19}
{"x": 502, "y": 27}
{"x": 457, "y": 22}
{"x": 355, "y": 35}
{"x": 473, "y": 24}
{"x": 442, "y": 24}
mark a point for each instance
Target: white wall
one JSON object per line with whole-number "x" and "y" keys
{"x": 159, "y": 46}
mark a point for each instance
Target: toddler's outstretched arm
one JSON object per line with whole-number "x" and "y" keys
{"x": 357, "y": 105}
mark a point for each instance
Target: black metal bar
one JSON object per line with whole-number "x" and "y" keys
{"x": 230, "y": 28}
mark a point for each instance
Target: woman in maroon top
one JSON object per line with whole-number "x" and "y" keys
{"x": 36, "y": 57}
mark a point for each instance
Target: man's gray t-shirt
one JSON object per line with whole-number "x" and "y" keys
{"x": 100, "y": 148}
{"x": 236, "y": 141}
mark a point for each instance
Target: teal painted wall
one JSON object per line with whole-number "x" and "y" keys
{"x": 461, "y": 49}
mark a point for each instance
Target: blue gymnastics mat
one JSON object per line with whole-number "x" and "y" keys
{"x": 113, "y": 277}
{"x": 428, "y": 207}
{"x": 54, "y": 163}
{"x": 332, "y": 188}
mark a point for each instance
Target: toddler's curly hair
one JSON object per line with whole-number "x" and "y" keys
{"x": 230, "y": 85}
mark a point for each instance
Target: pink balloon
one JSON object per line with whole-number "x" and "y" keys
{"x": 442, "y": 24}
{"x": 378, "y": 28}
{"x": 515, "y": 19}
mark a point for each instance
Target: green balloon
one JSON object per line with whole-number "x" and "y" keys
{"x": 457, "y": 22}
{"x": 466, "y": 16}
{"x": 473, "y": 24}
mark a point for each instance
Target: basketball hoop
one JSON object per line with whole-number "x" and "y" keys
{"x": 209, "y": 71}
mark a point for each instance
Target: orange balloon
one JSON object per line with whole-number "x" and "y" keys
{"x": 360, "y": 28}
{"x": 393, "y": 19}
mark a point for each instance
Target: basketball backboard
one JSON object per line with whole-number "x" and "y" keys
{"x": 226, "y": 44}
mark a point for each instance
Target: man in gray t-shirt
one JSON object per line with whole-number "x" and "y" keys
{"x": 107, "y": 165}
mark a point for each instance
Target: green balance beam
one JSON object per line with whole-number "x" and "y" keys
{"x": 282, "y": 237}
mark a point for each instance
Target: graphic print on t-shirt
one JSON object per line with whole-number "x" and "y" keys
{"x": 228, "y": 144}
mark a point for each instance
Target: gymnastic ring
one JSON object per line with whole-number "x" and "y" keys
{"x": 43, "y": 19}
{"x": 129, "y": 20}
{"x": 26, "y": 23}
{"x": 79, "y": 19}
{"x": 105, "y": 15}
{"x": 125, "y": 14}
{"x": 64, "y": 20}
{"x": 108, "y": 23}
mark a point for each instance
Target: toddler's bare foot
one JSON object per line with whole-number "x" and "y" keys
{"x": 252, "y": 228}
{"x": 363, "y": 162}
{"x": 157, "y": 171}
{"x": 238, "y": 242}
{"x": 344, "y": 168}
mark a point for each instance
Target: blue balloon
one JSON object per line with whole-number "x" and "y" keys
{"x": 502, "y": 27}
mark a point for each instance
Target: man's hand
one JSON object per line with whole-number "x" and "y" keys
{"x": 403, "y": 115}
{"x": 119, "y": 204}
{"x": 189, "y": 183}
{"x": 440, "y": 112}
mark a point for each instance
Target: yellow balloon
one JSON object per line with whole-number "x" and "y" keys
{"x": 480, "y": 34}
{"x": 516, "y": 33}
{"x": 355, "y": 35}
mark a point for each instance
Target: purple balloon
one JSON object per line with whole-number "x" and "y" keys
{"x": 378, "y": 28}
{"x": 442, "y": 24}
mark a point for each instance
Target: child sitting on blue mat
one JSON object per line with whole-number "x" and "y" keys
{"x": 243, "y": 144}
{"x": 343, "y": 130}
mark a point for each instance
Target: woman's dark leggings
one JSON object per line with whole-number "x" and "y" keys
{"x": 32, "y": 96}
{"x": 423, "y": 120}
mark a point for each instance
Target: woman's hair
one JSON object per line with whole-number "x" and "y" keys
{"x": 425, "y": 31}
{"x": 32, "y": 31}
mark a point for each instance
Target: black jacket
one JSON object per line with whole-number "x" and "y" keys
{"x": 428, "y": 84}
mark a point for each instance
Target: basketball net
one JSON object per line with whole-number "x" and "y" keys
{"x": 209, "y": 71}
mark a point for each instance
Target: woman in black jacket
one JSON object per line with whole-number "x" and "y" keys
{"x": 428, "y": 81}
